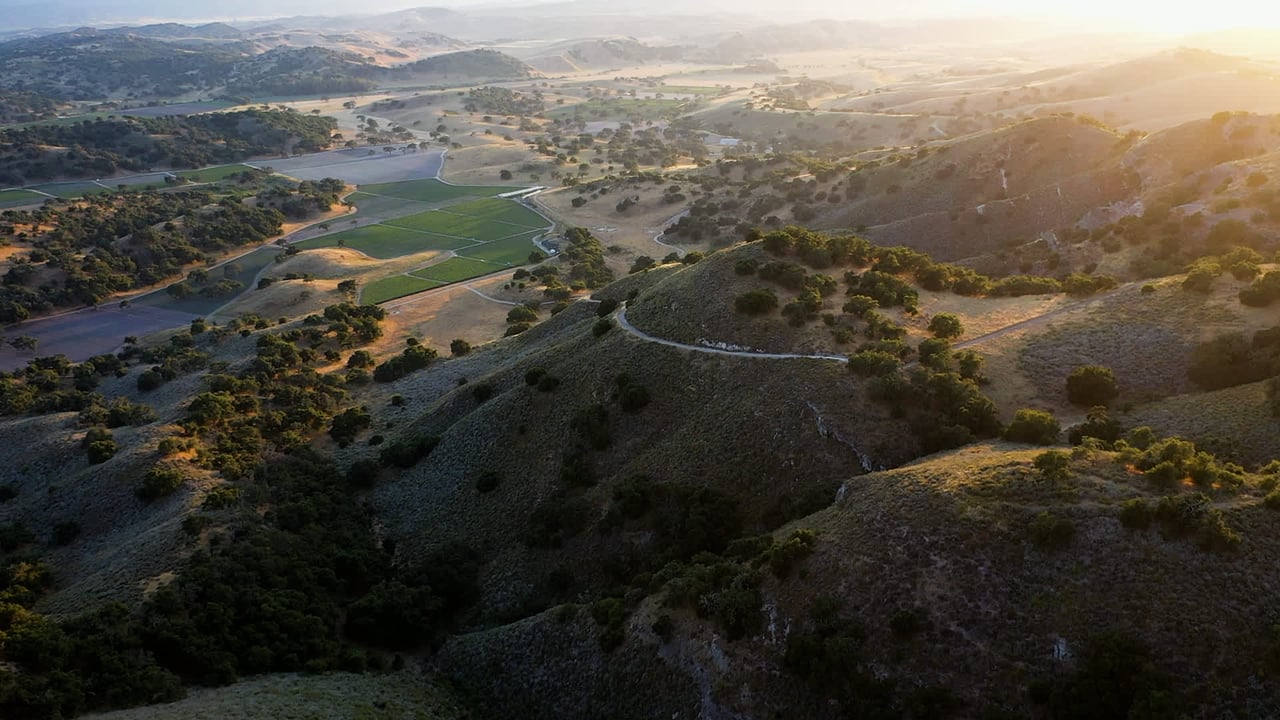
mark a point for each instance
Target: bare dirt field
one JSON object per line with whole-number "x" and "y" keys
{"x": 85, "y": 333}
{"x": 439, "y": 317}
{"x": 358, "y": 167}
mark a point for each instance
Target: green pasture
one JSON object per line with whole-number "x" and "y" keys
{"x": 500, "y": 210}
{"x": 396, "y": 286}
{"x": 508, "y": 251}
{"x": 385, "y": 242}
{"x": 431, "y": 191}
{"x": 456, "y": 270}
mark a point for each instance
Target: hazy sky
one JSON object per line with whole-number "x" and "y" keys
{"x": 1180, "y": 16}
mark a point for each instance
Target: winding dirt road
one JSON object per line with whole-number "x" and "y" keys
{"x": 1036, "y": 321}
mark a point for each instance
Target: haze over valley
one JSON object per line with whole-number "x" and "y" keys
{"x": 668, "y": 360}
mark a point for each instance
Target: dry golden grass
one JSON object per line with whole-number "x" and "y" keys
{"x": 437, "y": 318}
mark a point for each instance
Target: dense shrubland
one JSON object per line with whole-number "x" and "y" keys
{"x": 101, "y": 148}
{"x": 287, "y": 574}
{"x": 116, "y": 242}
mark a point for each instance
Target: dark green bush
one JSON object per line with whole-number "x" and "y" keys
{"x": 1092, "y": 385}
{"x": 159, "y": 482}
{"x": 1051, "y": 532}
{"x": 756, "y": 302}
{"x": 1034, "y": 427}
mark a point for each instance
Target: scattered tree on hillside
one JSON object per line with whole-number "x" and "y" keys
{"x": 1092, "y": 385}
{"x": 946, "y": 325}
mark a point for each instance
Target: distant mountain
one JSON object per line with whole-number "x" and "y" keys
{"x": 470, "y": 64}
{"x": 600, "y": 54}
{"x": 176, "y": 31}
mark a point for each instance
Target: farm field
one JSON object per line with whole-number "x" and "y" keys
{"x": 213, "y": 174}
{"x": 385, "y": 242}
{"x": 500, "y": 210}
{"x": 18, "y": 198}
{"x": 431, "y": 190}
{"x": 485, "y": 234}
{"x": 72, "y": 189}
{"x": 443, "y": 222}
{"x": 508, "y": 251}
{"x": 456, "y": 270}
{"x": 396, "y": 286}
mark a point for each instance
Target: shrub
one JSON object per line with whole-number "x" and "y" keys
{"x": 756, "y": 302}
{"x": 149, "y": 380}
{"x": 488, "y": 482}
{"x": 601, "y": 327}
{"x": 548, "y": 383}
{"x": 459, "y": 347}
{"x": 873, "y": 363}
{"x": 363, "y": 473}
{"x": 65, "y": 532}
{"x": 1264, "y": 291}
{"x": 782, "y": 556}
{"x": 347, "y": 425}
{"x": 1193, "y": 515}
{"x": 1136, "y": 514}
{"x": 1054, "y": 465}
{"x": 160, "y": 482}
{"x": 946, "y": 326}
{"x": 606, "y": 307}
{"x": 860, "y": 305}
{"x": 100, "y": 451}
{"x": 522, "y": 314}
{"x": 533, "y": 375}
{"x": 1051, "y": 532}
{"x": 1034, "y": 427}
{"x": 632, "y": 397}
{"x": 1091, "y": 385}
{"x": 1098, "y": 425}
{"x": 746, "y": 267}
{"x": 407, "y": 452}
{"x": 642, "y": 263}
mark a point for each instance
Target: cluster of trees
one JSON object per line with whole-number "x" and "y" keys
{"x": 305, "y": 587}
{"x": 279, "y": 400}
{"x": 306, "y": 199}
{"x": 504, "y": 101}
{"x": 1235, "y": 359}
{"x": 25, "y": 107}
{"x": 584, "y": 256}
{"x": 113, "y": 243}
{"x": 55, "y": 384}
{"x": 100, "y": 148}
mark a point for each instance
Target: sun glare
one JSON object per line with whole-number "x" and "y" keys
{"x": 1177, "y": 16}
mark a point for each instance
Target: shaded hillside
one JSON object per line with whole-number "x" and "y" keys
{"x": 302, "y": 71}
{"x": 980, "y": 193}
{"x": 600, "y": 54}
{"x": 933, "y": 584}
{"x": 25, "y": 107}
{"x": 469, "y": 64}
{"x": 569, "y": 451}
{"x": 91, "y": 64}
{"x": 100, "y": 148}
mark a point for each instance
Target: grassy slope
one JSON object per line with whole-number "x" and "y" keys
{"x": 946, "y": 537}
{"x": 402, "y": 696}
{"x": 746, "y": 428}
